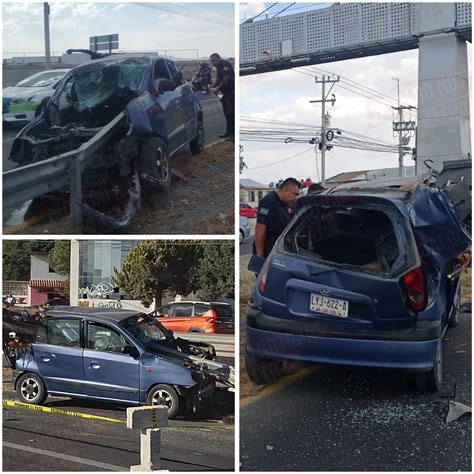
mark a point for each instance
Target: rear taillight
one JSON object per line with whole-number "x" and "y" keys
{"x": 263, "y": 278}
{"x": 414, "y": 285}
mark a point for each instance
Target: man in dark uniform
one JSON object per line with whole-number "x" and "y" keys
{"x": 274, "y": 213}
{"x": 225, "y": 83}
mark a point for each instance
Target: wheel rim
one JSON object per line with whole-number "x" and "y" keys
{"x": 201, "y": 135}
{"x": 162, "y": 169}
{"x": 162, "y": 398}
{"x": 30, "y": 389}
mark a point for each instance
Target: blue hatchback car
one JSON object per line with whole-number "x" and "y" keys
{"x": 116, "y": 356}
{"x": 364, "y": 275}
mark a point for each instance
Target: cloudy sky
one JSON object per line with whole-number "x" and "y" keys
{"x": 285, "y": 96}
{"x": 139, "y": 27}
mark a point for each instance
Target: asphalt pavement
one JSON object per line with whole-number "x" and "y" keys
{"x": 57, "y": 442}
{"x": 343, "y": 419}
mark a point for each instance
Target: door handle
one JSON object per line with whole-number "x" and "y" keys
{"x": 47, "y": 357}
{"x": 95, "y": 365}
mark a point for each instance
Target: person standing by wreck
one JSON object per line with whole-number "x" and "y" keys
{"x": 273, "y": 215}
{"x": 225, "y": 83}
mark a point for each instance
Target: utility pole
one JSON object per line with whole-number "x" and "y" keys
{"x": 322, "y": 144}
{"x": 47, "y": 48}
{"x": 400, "y": 127}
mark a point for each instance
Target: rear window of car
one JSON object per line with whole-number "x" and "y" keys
{"x": 200, "y": 309}
{"x": 59, "y": 332}
{"x": 362, "y": 237}
{"x": 224, "y": 312}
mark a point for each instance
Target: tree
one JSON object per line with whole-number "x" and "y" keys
{"x": 153, "y": 267}
{"x": 60, "y": 261}
{"x": 16, "y": 260}
{"x": 216, "y": 270}
{"x": 242, "y": 164}
{"x": 60, "y": 257}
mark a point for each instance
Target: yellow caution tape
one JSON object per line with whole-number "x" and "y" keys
{"x": 28, "y": 406}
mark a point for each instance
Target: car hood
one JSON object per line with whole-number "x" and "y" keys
{"x": 196, "y": 356}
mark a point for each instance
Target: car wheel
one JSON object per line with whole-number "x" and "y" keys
{"x": 263, "y": 371}
{"x": 195, "y": 330}
{"x": 454, "y": 318}
{"x": 197, "y": 145}
{"x": 164, "y": 395}
{"x": 241, "y": 237}
{"x": 430, "y": 381}
{"x": 30, "y": 388}
{"x": 155, "y": 166}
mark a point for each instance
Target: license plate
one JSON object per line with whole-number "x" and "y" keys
{"x": 333, "y": 306}
{"x": 229, "y": 325}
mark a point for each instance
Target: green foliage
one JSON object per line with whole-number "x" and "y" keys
{"x": 153, "y": 267}
{"x": 16, "y": 260}
{"x": 242, "y": 163}
{"x": 216, "y": 270}
{"x": 60, "y": 257}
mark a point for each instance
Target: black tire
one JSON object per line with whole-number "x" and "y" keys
{"x": 198, "y": 143}
{"x": 431, "y": 381}
{"x": 155, "y": 168}
{"x": 454, "y": 318}
{"x": 195, "y": 330}
{"x": 241, "y": 237}
{"x": 30, "y": 389}
{"x": 263, "y": 371}
{"x": 166, "y": 395}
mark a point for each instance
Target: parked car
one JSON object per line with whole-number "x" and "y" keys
{"x": 244, "y": 229}
{"x": 366, "y": 274}
{"x": 196, "y": 316}
{"x": 247, "y": 211}
{"x": 150, "y": 113}
{"x": 116, "y": 356}
{"x": 21, "y": 101}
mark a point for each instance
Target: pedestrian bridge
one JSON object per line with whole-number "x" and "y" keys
{"x": 346, "y": 31}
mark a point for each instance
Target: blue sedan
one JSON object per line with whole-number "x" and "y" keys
{"x": 117, "y": 356}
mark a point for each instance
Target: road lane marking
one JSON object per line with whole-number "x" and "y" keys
{"x": 277, "y": 386}
{"x": 28, "y": 406}
{"x": 65, "y": 457}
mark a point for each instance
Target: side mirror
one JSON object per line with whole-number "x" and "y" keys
{"x": 256, "y": 263}
{"x": 165, "y": 85}
{"x": 131, "y": 351}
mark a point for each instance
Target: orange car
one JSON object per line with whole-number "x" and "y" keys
{"x": 196, "y": 316}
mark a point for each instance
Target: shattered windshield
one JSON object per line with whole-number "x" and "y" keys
{"x": 42, "y": 79}
{"x": 95, "y": 94}
{"x": 147, "y": 330}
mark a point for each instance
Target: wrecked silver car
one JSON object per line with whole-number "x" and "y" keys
{"x": 125, "y": 116}
{"x": 117, "y": 356}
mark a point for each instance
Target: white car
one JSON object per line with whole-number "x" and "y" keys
{"x": 20, "y": 101}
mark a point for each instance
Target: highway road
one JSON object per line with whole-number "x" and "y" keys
{"x": 343, "y": 419}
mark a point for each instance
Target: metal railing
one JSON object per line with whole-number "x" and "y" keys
{"x": 57, "y": 173}
{"x": 224, "y": 343}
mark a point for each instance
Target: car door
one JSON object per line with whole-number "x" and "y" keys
{"x": 109, "y": 372}
{"x": 167, "y": 117}
{"x": 58, "y": 355}
{"x": 186, "y": 101}
{"x": 180, "y": 317}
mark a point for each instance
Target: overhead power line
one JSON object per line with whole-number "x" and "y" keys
{"x": 281, "y": 161}
{"x": 193, "y": 14}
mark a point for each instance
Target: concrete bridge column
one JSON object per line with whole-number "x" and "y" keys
{"x": 443, "y": 100}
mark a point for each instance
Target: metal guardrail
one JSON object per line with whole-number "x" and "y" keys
{"x": 64, "y": 171}
{"x": 224, "y": 343}
{"x": 54, "y": 174}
